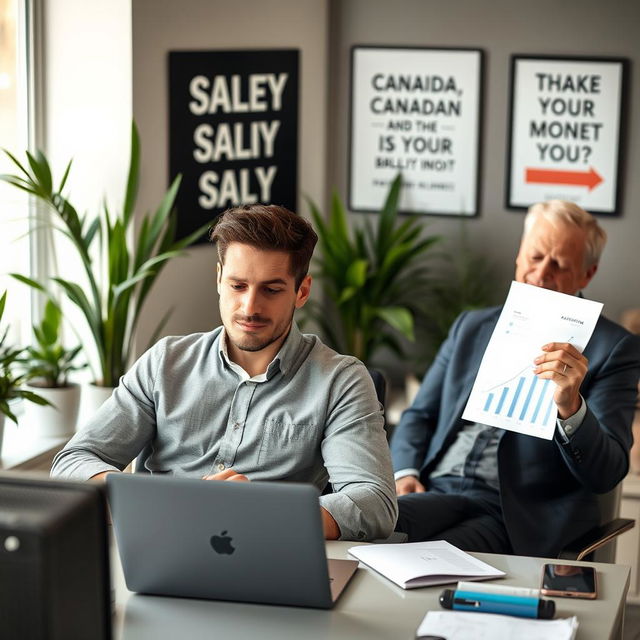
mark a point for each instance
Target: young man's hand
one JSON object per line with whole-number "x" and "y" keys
{"x": 227, "y": 474}
{"x": 409, "y": 484}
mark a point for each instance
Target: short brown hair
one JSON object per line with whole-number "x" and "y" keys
{"x": 270, "y": 228}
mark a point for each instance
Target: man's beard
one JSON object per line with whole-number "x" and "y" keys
{"x": 257, "y": 346}
{"x": 249, "y": 344}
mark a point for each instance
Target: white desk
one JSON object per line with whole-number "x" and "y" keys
{"x": 371, "y": 608}
{"x": 22, "y": 450}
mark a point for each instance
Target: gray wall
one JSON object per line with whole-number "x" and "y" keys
{"x": 501, "y": 28}
{"x": 159, "y": 26}
{"x": 325, "y": 30}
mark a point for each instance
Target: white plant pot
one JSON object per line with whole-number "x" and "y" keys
{"x": 57, "y": 420}
{"x": 93, "y": 397}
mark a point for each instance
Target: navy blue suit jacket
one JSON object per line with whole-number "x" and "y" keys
{"x": 547, "y": 488}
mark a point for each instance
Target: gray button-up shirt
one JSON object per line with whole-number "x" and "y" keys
{"x": 312, "y": 417}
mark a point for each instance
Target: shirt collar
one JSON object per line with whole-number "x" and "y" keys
{"x": 289, "y": 350}
{"x": 282, "y": 361}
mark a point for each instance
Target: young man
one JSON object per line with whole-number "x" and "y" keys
{"x": 486, "y": 489}
{"x": 254, "y": 399}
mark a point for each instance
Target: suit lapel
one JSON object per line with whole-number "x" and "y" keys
{"x": 481, "y": 340}
{"x": 466, "y": 375}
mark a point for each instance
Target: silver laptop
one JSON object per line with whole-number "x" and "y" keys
{"x": 241, "y": 541}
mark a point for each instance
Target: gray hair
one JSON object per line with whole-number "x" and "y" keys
{"x": 556, "y": 211}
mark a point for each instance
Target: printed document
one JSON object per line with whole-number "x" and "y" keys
{"x": 506, "y": 393}
{"x": 423, "y": 564}
{"x": 462, "y": 625}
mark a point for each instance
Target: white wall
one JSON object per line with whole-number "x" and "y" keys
{"x": 87, "y": 57}
{"x": 85, "y": 109}
{"x": 159, "y": 26}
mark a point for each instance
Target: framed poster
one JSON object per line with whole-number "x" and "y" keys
{"x": 415, "y": 111}
{"x": 233, "y": 131}
{"x": 564, "y": 135}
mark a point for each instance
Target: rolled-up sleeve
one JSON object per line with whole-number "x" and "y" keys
{"x": 120, "y": 428}
{"x": 357, "y": 458}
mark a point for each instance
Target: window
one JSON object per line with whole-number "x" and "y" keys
{"x": 14, "y": 136}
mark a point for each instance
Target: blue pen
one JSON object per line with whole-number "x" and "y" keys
{"x": 525, "y": 607}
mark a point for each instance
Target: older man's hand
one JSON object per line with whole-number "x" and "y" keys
{"x": 567, "y": 367}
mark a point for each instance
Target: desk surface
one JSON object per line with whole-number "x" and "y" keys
{"x": 371, "y": 607}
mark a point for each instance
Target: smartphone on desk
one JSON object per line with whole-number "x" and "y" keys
{"x": 568, "y": 581}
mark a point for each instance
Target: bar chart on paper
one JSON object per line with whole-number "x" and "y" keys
{"x": 506, "y": 392}
{"x": 525, "y": 399}
{"x": 519, "y": 402}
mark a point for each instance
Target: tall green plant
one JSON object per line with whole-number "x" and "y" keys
{"x": 119, "y": 272}
{"x": 372, "y": 277}
{"x": 11, "y": 376}
{"x": 466, "y": 281}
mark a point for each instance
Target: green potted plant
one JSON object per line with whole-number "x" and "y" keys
{"x": 12, "y": 377}
{"x": 48, "y": 364}
{"x": 372, "y": 276}
{"x": 465, "y": 281}
{"x": 118, "y": 270}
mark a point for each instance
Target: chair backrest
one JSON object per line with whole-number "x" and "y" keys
{"x": 599, "y": 543}
{"x": 380, "y": 383}
{"x": 609, "y": 505}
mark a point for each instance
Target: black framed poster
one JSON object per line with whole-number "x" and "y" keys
{"x": 233, "y": 131}
{"x": 415, "y": 111}
{"x": 565, "y": 128}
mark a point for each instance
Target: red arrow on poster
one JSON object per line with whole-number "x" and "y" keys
{"x": 589, "y": 178}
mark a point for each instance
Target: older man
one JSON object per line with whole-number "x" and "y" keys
{"x": 485, "y": 489}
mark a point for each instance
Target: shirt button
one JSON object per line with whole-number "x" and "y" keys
{"x": 236, "y": 426}
{"x": 221, "y": 467}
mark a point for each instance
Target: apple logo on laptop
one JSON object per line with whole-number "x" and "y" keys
{"x": 222, "y": 543}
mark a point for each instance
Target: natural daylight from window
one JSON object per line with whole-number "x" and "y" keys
{"x": 14, "y": 215}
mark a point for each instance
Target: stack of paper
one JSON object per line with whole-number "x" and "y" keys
{"x": 460, "y": 625}
{"x": 423, "y": 564}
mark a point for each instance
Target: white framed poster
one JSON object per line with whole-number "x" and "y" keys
{"x": 564, "y": 138}
{"x": 415, "y": 111}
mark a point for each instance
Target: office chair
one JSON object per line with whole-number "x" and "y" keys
{"x": 380, "y": 384}
{"x": 598, "y": 544}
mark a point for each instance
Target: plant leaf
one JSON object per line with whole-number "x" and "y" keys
{"x": 399, "y": 318}
{"x": 131, "y": 192}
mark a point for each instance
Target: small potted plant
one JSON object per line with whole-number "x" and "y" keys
{"x": 48, "y": 364}
{"x": 12, "y": 377}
